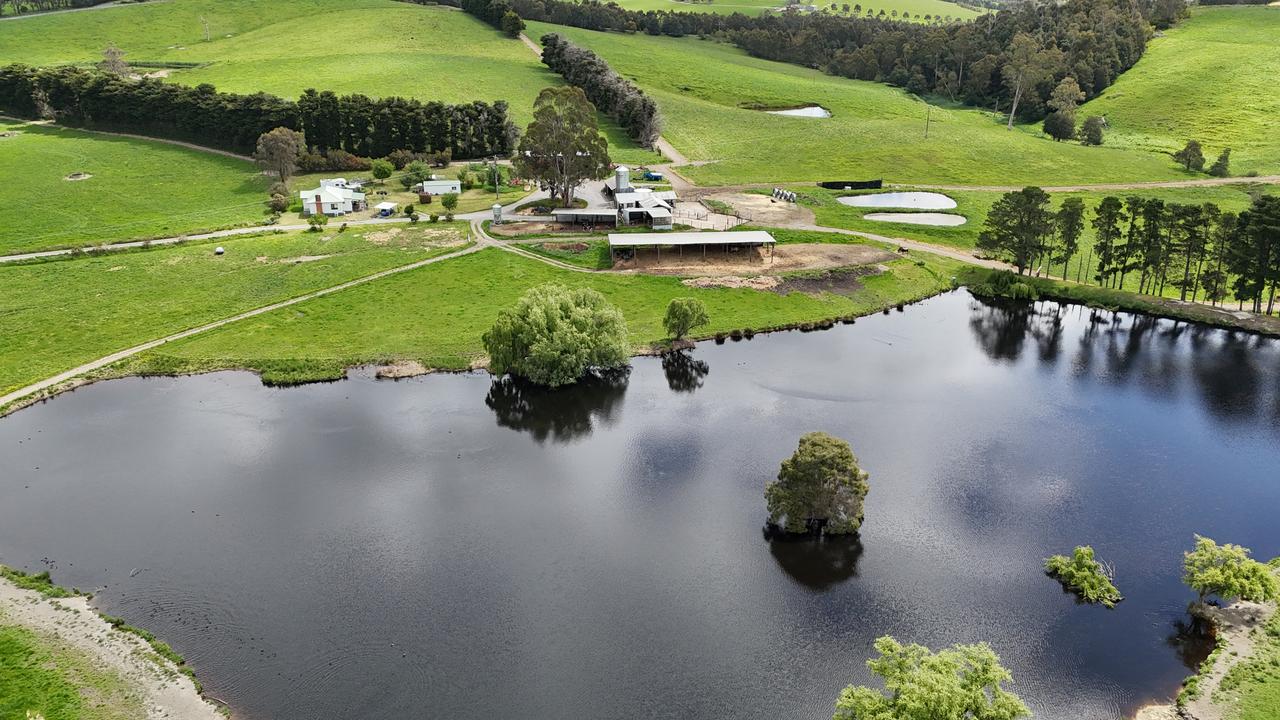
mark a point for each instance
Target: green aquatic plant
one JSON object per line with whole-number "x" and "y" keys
{"x": 1085, "y": 576}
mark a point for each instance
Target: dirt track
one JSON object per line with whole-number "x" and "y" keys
{"x": 755, "y": 261}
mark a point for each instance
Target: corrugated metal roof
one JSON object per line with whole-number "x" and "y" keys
{"x": 739, "y": 237}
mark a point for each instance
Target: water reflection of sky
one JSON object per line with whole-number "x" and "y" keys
{"x": 398, "y": 549}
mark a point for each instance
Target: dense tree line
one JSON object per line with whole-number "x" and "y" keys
{"x": 1023, "y": 51}
{"x": 353, "y": 123}
{"x": 497, "y": 13}
{"x": 607, "y": 90}
{"x": 22, "y": 7}
{"x": 1199, "y": 250}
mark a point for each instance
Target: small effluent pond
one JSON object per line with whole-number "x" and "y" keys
{"x": 921, "y": 218}
{"x": 900, "y": 200}
{"x": 460, "y": 548}
{"x": 811, "y": 111}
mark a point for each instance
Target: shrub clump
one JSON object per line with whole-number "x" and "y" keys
{"x": 1084, "y": 576}
{"x": 554, "y": 335}
{"x": 39, "y": 582}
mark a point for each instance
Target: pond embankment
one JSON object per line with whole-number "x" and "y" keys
{"x": 1238, "y": 630}
{"x": 82, "y": 637}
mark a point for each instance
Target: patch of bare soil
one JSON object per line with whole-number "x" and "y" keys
{"x": 759, "y": 282}
{"x": 573, "y": 247}
{"x": 754, "y": 261}
{"x": 73, "y": 177}
{"x": 382, "y": 237}
{"x": 115, "y": 268}
{"x": 401, "y": 369}
{"x": 516, "y": 229}
{"x": 303, "y": 259}
{"x": 839, "y": 281}
{"x": 765, "y": 210}
{"x": 8, "y": 134}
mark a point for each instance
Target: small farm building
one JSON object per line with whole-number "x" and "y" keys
{"x": 333, "y": 197}
{"x": 439, "y": 186}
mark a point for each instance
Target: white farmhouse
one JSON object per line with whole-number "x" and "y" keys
{"x": 334, "y": 197}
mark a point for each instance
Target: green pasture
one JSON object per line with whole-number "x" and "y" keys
{"x": 375, "y": 47}
{"x": 442, "y": 310}
{"x": 47, "y": 676}
{"x": 1214, "y": 78}
{"x": 708, "y": 93}
{"x": 136, "y": 188}
{"x": 57, "y": 314}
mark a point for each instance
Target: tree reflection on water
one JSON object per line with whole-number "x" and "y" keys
{"x": 818, "y": 562}
{"x": 560, "y": 414}
{"x": 684, "y": 372}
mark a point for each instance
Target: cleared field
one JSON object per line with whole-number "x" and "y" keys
{"x": 56, "y": 315}
{"x": 1213, "y": 78}
{"x": 442, "y": 310}
{"x": 375, "y": 47}
{"x": 921, "y": 8}
{"x": 135, "y": 188}
{"x": 705, "y": 90}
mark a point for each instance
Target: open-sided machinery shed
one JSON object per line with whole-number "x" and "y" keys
{"x": 726, "y": 240}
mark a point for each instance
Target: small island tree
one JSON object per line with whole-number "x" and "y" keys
{"x": 1084, "y": 576}
{"x": 958, "y": 683}
{"x": 1228, "y": 572}
{"x": 683, "y": 315}
{"x": 820, "y": 488}
{"x": 555, "y": 335}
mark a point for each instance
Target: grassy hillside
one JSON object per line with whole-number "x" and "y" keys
{"x": 755, "y": 7}
{"x": 316, "y": 339}
{"x": 704, "y": 90}
{"x": 137, "y": 188}
{"x": 375, "y": 47}
{"x": 94, "y": 306}
{"x": 1213, "y": 78}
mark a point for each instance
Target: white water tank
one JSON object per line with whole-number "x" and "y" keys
{"x": 623, "y": 179}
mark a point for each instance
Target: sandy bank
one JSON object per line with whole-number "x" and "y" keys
{"x": 165, "y": 692}
{"x": 1234, "y": 626}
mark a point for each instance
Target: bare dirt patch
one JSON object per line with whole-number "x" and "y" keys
{"x": 75, "y": 176}
{"x": 747, "y": 262}
{"x": 401, "y": 369}
{"x": 116, "y": 268}
{"x": 382, "y": 237}
{"x": 573, "y": 247}
{"x": 758, "y": 282}
{"x": 517, "y": 229}
{"x": 303, "y": 259}
{"x": 765, "y": 210}
{"x": 840, "y": 281}
{"x": 9, "y": 134}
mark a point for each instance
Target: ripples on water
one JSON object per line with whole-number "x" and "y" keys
{"x": 453, "y": 547}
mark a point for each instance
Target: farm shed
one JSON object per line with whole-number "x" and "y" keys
{"x": 730, "y": 241}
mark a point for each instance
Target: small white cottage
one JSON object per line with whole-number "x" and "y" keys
{"x": 334, "y": 197}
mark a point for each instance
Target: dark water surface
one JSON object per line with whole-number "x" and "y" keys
{"x": 447, "y": 548}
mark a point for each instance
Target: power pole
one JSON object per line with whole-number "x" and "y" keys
{"x": 928, "y": 116}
